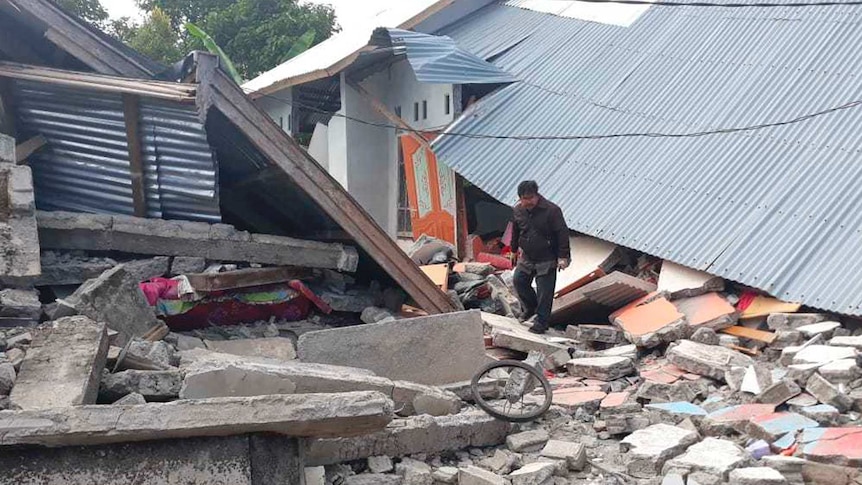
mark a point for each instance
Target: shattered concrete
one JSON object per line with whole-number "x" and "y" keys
{"x": 648, "y": 449}
{"x": 706, "y": 360}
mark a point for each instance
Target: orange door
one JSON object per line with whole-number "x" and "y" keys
{"x": 431, "y": 192}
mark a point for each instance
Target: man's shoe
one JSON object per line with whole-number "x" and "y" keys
{"x": 527, "y": 317}
{"x": 538, "y": 329}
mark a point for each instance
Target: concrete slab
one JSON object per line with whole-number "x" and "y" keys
{"x": 706, "y": 360}
{"x": 526, "y": 342}
{"x": 595, "y": 333}
{"x": 115, "y": 299}
{"x": 574, "y": 454}
{"x": 418, "y": 434}
{"x": 471, "y": 475}
{"x": 841, "y": 371}
{"x": 439, "y": 349}
{"x": 713, "y": 456}
{"x": 234, "y": 460}
{"x": 573, "y": 398}
{"x": 734, "y": 418}
{"x": 710, "y": 310}
{"x": 770, "y": 427}
{"x": 680, "y": 282}
{"x": 824, "y": 414}
{"x": 855, "y": 342}
{"x": 757, "y": 476}
{"x": 218, "y": 242}
{"x": 822, "y": 328}
{"x": 816, "y": 354}
{"x": 273, "y": 348}
{"x": 63, "y": 365}
{"x": 827, "y": 393}
{"x": 527, "y": 440}
{"x": 647, "y": 450}
{"x": 651, "y": 324}
{"x": 603, "y": 368}
{"x": 533, "y": 474}
{"x": 837, "y": 446}
{"x": 791, "y": 321}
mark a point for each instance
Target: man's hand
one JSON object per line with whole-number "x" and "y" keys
{"x": 513, "y": 257}
{"x": 562, "y": 264}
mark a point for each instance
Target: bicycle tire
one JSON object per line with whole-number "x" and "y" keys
{"x": 480, "y": 401}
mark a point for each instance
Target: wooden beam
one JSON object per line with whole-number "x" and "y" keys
{"x": 246, "y": 278}
{"x": 131, "y": 114}
{"x": 24, "y": 150}
{"x": 381, "y": 108}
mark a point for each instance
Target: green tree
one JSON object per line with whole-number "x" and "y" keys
{"x": 256, "y": 34}
{"x": 89, "y": 10}
{"x": 155, "y": 38}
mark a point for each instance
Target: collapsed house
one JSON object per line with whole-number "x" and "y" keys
{"x": 182, "y": 291}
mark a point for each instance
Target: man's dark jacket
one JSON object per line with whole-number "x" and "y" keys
{"x": 541, "y": 232}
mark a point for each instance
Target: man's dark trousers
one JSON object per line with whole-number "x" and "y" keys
{"x": 541, "y": 300}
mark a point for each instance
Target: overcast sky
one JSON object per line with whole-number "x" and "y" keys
{"x": 347, "y": 11}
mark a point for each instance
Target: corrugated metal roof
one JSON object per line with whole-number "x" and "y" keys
{"x": 85, "y": 165}
{"x": 777, "y": 209}
{"x": 438, "y": 60}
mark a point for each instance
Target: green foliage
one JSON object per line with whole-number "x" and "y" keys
{"x": 155, "y": 38}
{"x": 214, "y": 48}
{"x": 89, "y": 10}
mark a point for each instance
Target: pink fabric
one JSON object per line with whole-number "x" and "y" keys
{"x": 160, "y": 289}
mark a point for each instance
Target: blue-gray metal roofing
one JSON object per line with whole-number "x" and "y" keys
{"x": 778, "y": 209}
{"x": 438, "y": 60}
{"x": 85, "y": 165}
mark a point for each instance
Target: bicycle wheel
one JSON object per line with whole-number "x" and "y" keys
{"x": 519, "y": 408}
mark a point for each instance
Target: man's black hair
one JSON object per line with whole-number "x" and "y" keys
{"x": 528, "y": 187}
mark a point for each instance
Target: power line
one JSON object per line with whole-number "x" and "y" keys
{"x": 482, "y": 136}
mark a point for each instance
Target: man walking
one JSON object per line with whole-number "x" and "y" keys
{"x": 540, "y": 232}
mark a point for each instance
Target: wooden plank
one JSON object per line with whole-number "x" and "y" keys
{"x": 439, "y": 274}
{"x": 762, "y": 306}
{"x": 381, "y": 108}
{"x": 246, "y": 278}
{"x": 750, "y": 333}
{"x": 744, "y": 350}
{"x": 24, "y": 150}
{"x": 132, "y": 116}
{"x": 218, "y": 91}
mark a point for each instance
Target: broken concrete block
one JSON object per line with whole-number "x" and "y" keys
{"x": 153, "y": 385}
{"x": 21, "y": 307}
{"x": 7, "y": 149}
{"x": 159, "y": 352}
{"x": 409, "y": 349}
{"x": 757, "y": 476}
{"x": 771, "y": 427}
{"x": 602, "y": 368}
{"x": 380, "y": 464}
{"x": 501, "y": 462}
{"x": 823, "y": 328}
{"x": 815, "y": 354}
{"x": 779, "y": 393}
{"x": 235, "y": 380}
{"x": 182, "y": 265}
{"x": 792, "y": 321}
{"x": 572, "y": 399}
{"x": 315, "y": 475}
{"x": 657, "y": 392}
{"x": 651, "y": 324}
{"x": 733, "y": 418}
{"x": 855, "y": 342}
{"x": 787, "y": 338}
{"x": 706, "y": 336}
{"x": 415, "y": 398}
{"x": 67, "y": 269}
{"x": 15, "y": 357}
{"x": 533, "y": 474}
{"x": 472, "y": 475}
{"x": 418, "y": 434}
{"x": 526, "y": 342}
{"x": 827, "y": 393}
{"x": 374, "y": 314}
{"x": 19, "y": 239}
{"x": 116, "y": 299}
{"x": 278, "y": 348}
{"x": 710, "y": 310}
{"x": 824, "y": 414}
{"x": 756, "y": 379}
{"x": 62, "y": 366}
{"x": 841, "y": 371}
{"x": 132, "y": 399}
{"x": 734, "y": 377}
{"x": 308, "y": 415}
{"x": 647, "y": 450}
{"x": 678, "y": 410}
{"x": 835, "y": 446}
{"x": 414, "y": 472}
{"x": 800, "y": 373}
{"x": 185, "y": 342}
{"x": 7, "y": 378}
{"x": 574, "y": 454}
{"x": 706, "y": 360}
{"x": 146, "y": 269}
{"x": 713, "y": 456}
{"x": 596, "y": 333}
{"x": 801, "y": 401}
{"x": 527, "y": 440}
{"x": 445, "y": 474}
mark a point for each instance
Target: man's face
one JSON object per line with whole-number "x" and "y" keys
{"x": 529, "y": 201}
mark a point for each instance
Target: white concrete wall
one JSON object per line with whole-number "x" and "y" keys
{"x": 318, "y": 148}
{"x": 277, "y": 106}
